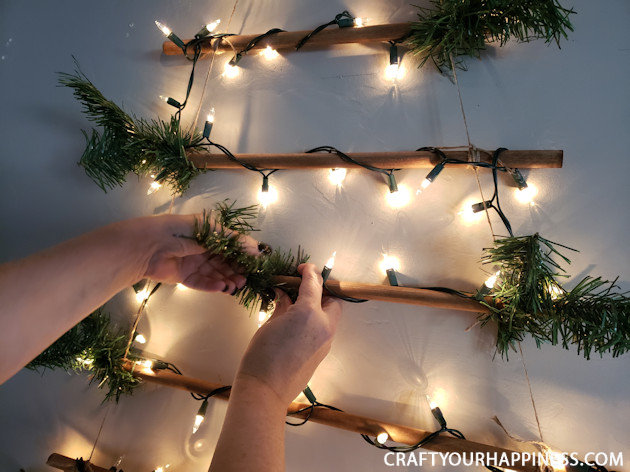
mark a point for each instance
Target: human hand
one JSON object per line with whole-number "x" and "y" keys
{"x": 174, "y": 258}
{"x": 286, "y": 350}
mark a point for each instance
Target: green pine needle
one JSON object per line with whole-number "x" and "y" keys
{"x": 528, "y": 300}
{"x": 217, "y": 231}
{"x": 457, "y": 28}
{"x": 95, "y": 346}
{"x": 127, "y": 144}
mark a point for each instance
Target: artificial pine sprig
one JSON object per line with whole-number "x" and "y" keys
{"x": 528, "y": 300}
{"x": 128, "y": 144}
{"x": 218, "y": 231}
{"x": 95, "y": 346}
{"x": 457, "y": 28}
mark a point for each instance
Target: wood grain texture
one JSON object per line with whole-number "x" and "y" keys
{"x": 61, "y": 462}
{"x": 288, "y": 40}
{"x": 534, "y": 159}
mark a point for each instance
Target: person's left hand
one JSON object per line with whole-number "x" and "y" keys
{"x": 176, "y": 259}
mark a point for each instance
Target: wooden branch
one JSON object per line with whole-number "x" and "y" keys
{"x": 288, "y": 40}
{"x": 538, "y": 159}
{"x": 336, "y": 419}
{"x": 387, "y": 293}
{"x": 67, "y": 464}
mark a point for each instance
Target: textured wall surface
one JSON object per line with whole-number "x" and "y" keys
{"x": 386, "y": 357}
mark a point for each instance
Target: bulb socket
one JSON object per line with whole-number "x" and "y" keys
{"x": 308, "y": 393}
{"x": 265, "y": 184}
{"x": 481, "y": 206}
{"x": 207, "y": 129}
{"x": 520, "y": 181}
{"x": 326, "y": 273}
{"x": 393, "y": 186}
{"x": 435, "y": 171}
{"x": 235, "y": 60}
{"x": 174, "y": 103}
{"x": 439, "y": 417}
{"x": 393, "y": 54}
{"x": 176, "y": 39}
{"x": 203, "y": 408}
{"x": 482, "y": 292}
{"x": 345, "y": 22}
{"x": 391, "y": 277}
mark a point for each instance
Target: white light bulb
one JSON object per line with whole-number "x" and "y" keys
{"x": 331, "y": 262}
{"x": 230, "y": 71}
{"x": 492, "y": 280}
{"x": 557, "y": 461}
{"x": 181, "y": 286}
{"x": 198, "y": 421}
{"x": 399, "y": 198}
{"x": 425, "y": 183}
{"x": 262, "y": 317}
{"x": 360, "y": 22}
{"x": 163, "y": 28}
{"x": 394, "y": 72}
{"x": 141, "y": 339}
{"x": 212, "y": 26}
{"x": 337, "y": 176}
{"x": 154, "y": 187}
{"x": 210, "y": 117}
{"x": 555, "y": 292}
{"x": 269, "y": 53}
{"x": 147, "y": 364}
{"x": 85, "y": 362}
{"x": 389, "y": 262}
{"x": 142, "y": 295}
{"x": 162, "y": 468}
{"x": 526, "y": 195}
{"x": 270, "y": 196}
{"x": 469, "y": 217}
{"x": 382, "y": 437}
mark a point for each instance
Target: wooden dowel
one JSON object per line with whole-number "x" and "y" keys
{"x": 387, "y": 293}
{"x": 535, "y": 159}
{"x": 336, "y": 419}
{"x": 61, "y": 462}
{"x": 288, "y": 40}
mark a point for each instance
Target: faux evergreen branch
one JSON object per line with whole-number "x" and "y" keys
{"x": 457, "y": 28}
{"x": 95, "y": 346}
{"x": 528, "y": 300}
{"x": 218, "y": 230}
{"x": 127, "y": 144}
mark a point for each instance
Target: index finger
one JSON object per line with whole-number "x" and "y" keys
{"x": 311, "y": 285}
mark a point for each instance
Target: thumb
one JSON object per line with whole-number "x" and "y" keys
{"x": 311, "y": 286}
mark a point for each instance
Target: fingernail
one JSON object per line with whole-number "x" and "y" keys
{"x": 264, "y": 248}
{"x": 225, "y": 289}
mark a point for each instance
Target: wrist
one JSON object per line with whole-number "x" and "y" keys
{"x": 259, "y": 393}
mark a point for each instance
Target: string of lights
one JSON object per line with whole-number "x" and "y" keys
{"x": 343, "y": 20}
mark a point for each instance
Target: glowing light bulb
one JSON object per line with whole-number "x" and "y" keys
{"x": 527, "y": 194}
{"x": 490, "y": 281}
{"x": 262, "y": 317}
{"x": 382, "y": 438}
{"x": 154, "y": 187}
{"x": 207, "y": 128}
{"x": 469, "y": 217}
{"x": 337, "y": 176}
{"x": 142, "y": 295}
{"x": 201, "y": 414}
{"x": 269, "y": 53}
{"x": 85, "y": 362}
{"x": 394, "y": 72}
{"x": 425, "y": 183}
{"x": 210, "y": 117}
{"x": 147, "y": 364}
{"x": 435, "y": 410}
{"x": 399, "y": 198}
{"x": 555, "y": 292}
{"x": 181, "y": 286}
{"x": 360, "y": 22}
{"x": 163, "y": 28}
{"x": 162, "y": 468}
{"x": 267, "y": 196}
{"x": 431, "y": 176}
{"x": 432, "y": 403}
{"x": 210, "y": 27}
{"x": 141, "y": 339}
{"x": 230, "y": 71}
{"x": 331, "y": 262}
{"x": 389, "y": 263}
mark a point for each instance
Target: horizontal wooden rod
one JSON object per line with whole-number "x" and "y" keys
{"x": 336, "y": 419}
{"x": 61, "y": 462}
{"x": 537, "y": 159}
{"x": 387, "y": 293}
{"x": 289, "y": 39}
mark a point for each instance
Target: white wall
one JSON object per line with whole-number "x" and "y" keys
{"x": 385, "y": 357}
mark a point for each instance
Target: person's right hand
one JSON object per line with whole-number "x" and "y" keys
{"x": 286, "y": 350}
